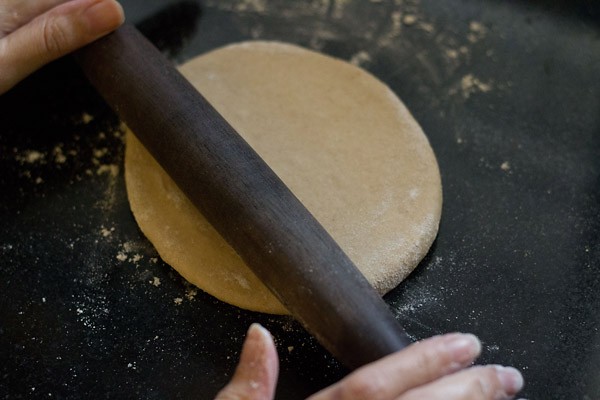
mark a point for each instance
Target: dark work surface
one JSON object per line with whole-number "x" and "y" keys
{"x": 508, "y": 93}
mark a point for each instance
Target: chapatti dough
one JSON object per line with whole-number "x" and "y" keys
{"x": 340, "y": 140}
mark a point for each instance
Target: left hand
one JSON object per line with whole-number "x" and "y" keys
{"x": 35, "y": 32}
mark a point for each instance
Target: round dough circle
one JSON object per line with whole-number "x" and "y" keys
{"x": 341, "y": 141}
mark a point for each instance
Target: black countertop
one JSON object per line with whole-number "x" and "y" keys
{"x": 508, "y": 93}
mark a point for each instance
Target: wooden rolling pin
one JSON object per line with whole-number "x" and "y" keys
{"x": 243, "y": 198}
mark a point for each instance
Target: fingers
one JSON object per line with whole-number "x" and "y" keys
{"x": 418, "y": 364}
{"x": 16, "y": 13}
{"x": 256, "y": 375}
{"x": 53, "y": 34}
{"x": 476, "y": 383}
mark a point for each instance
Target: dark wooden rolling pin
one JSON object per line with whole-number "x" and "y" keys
{"x": 243, "y": 198}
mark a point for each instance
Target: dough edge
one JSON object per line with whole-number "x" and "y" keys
{"x": 393, "y": 269}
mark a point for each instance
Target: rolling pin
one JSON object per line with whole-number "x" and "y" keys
{"x": 284, "y": 245}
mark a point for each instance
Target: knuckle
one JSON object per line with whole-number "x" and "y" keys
{"x": 478, "y": 388}
{"x": 484, "y": 384}
{"x": 430, "y": 360}
{"x": 10, "y": 21}
{"x": 363, "y": 387}
{"x": 55, "y": 38}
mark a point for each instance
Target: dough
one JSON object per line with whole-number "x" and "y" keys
{"x": 338, "y": 137}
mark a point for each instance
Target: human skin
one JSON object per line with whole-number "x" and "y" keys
{"x": 438, "y": 368}
{"x": 36, "y": 32}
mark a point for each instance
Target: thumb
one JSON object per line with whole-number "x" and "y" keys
{"x": 255, "y": 377}
{"x": 53, "y": 34}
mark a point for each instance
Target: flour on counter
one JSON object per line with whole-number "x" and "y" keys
{"x": 469, "y": 85}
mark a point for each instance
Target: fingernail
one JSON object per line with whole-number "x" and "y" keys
{"x": 464, "y": 347}
{"x": 511, "y": 379}
{"x": 258, "y": 328}
{"x": 103, "y": 16}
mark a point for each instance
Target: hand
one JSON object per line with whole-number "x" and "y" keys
{"x": 35, "y": 32}
{"x": 432, "y": 369}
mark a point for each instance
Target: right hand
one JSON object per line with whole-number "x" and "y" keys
{"x": 438, "y": 368}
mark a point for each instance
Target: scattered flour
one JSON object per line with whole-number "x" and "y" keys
{"x": 105, "y": 232}
{"x": 59, "y": 155}
{"x": 86, "y": 118}
{"x": 360, "y": 58}
{"x": 191, "y": 293}
{"x": 155, "y": 281}
{"x": 31, "y": 157}
{"x": 409, "y": 19}
{"x": 470, "y": 85}
{"x": 132, "y": 251}
{"x": 477, "y": 31}
{"x": 110, "y": 169}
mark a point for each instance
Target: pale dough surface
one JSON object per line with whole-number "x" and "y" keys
{"x": 340, "y": 140}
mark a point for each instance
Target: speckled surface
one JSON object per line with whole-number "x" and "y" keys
{"x": 509, "y": 95}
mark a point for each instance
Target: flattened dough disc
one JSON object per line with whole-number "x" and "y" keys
{"x": 340, "y": 140}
